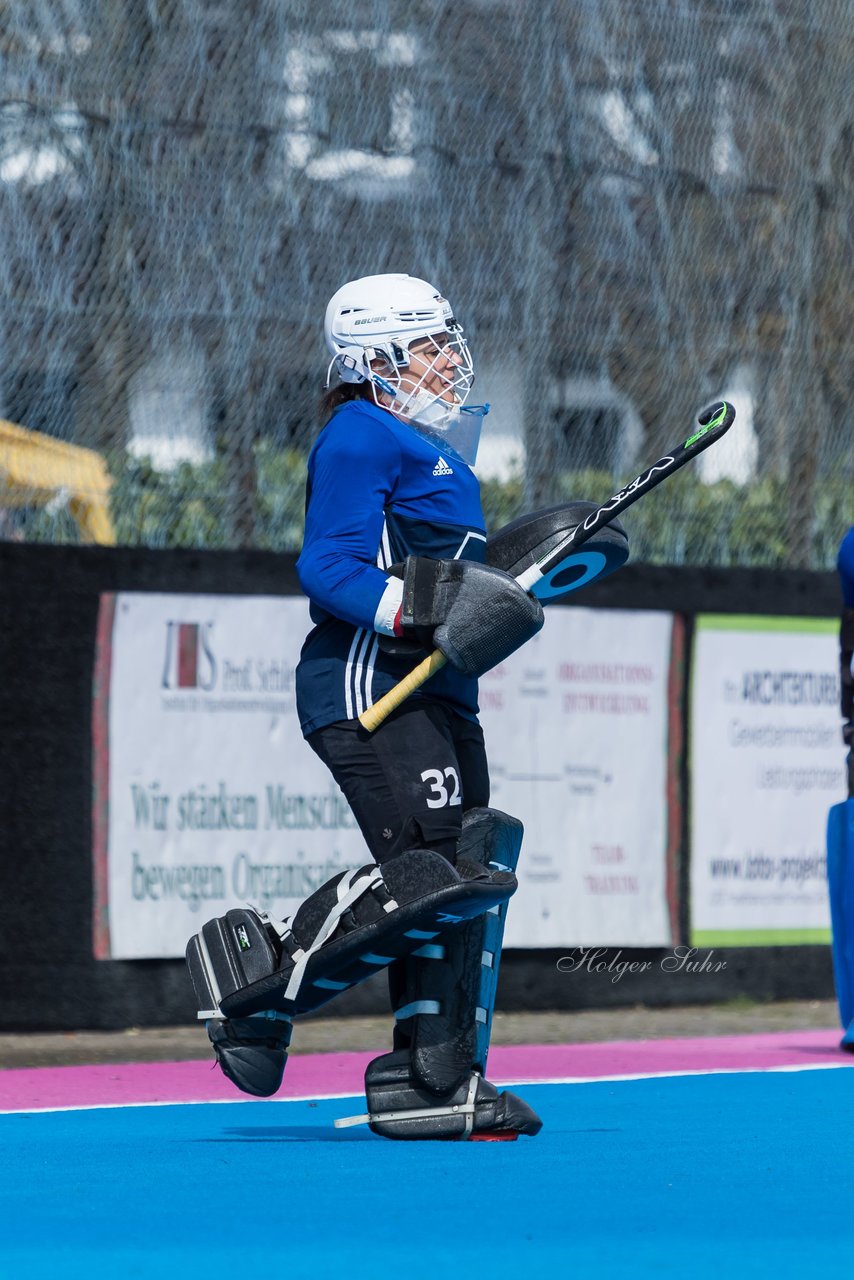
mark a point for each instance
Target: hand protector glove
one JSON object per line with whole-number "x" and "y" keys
{"x": 475, "y": 614}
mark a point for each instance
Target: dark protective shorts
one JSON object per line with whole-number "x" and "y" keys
{"x": 409, "y": 782}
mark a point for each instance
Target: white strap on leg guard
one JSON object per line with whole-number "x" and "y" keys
{"x": 348, "y": 892}
{"x": 465, "y": 1109}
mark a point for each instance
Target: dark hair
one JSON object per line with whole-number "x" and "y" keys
{"x": 334, "y": 397}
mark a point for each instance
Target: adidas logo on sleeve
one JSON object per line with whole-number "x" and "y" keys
{"x": 441, "y": 468}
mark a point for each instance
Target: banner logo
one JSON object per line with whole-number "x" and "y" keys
{"x": 189, "y": 662}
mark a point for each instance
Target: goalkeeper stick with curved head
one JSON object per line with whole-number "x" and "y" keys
{"x": 709, "y": 427}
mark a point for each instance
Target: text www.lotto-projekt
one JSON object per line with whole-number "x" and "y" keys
{"x": 758, "y": 866}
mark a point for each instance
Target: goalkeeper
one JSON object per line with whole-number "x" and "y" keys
{"x": 393, "y": 563}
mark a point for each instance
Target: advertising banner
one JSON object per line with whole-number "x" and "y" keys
{"x": 766, "y": 764}
{"x": 207, "y": 797}
{"x": 576, "y": 727}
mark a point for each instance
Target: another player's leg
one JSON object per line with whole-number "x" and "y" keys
{"x": 840, "y": 834}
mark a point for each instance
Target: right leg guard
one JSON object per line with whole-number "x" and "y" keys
{"x": 252, "y": 1051}
{"x": 243, "y": 963}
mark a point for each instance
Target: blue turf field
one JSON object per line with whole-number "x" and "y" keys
{"x": 694, "y": 1176}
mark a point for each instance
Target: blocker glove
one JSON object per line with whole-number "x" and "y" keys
{"x": 475, "y": 614}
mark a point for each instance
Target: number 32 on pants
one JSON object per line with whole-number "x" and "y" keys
{"x": 439, "y": 795}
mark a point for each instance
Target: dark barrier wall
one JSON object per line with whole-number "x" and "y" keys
{"x": 48, "y": 613}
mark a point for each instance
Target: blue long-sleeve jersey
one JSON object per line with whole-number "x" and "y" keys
{"x": 377, "y": 492}
{"x": 845, "y": 565}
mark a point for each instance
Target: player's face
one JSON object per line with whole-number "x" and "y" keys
{"x": 432, "y": 362}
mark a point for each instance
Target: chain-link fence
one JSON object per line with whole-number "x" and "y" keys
{"x": 635, "y": 206}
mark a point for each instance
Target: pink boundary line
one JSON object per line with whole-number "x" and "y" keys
{"x": 330, "y": 1074}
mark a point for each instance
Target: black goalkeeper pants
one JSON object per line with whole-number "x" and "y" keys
{"x": 410, "y": 781}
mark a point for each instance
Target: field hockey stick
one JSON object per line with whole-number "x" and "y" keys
{"x": 711, "y": 424}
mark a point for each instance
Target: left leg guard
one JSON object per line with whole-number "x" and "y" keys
{"x": 400, "y": 1107}
{"x": 433, "y": 1085}
{"x": 445, "y": 1001}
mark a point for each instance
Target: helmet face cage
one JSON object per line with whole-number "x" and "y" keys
{"x": 440, "y": 356}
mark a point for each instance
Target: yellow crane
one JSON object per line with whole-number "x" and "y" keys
{"x": 35, "y": 469}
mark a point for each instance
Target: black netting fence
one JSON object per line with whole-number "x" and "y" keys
{"x": 635, "y": 206}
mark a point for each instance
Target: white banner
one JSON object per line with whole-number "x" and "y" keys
{"x": 576, "y": 731}
{"x": 767, "y": 762}
{"x": 206, "y": 796}
{"x": 214, "y": 799}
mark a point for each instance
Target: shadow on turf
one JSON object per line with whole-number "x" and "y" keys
{"x": 315, "y": 1133}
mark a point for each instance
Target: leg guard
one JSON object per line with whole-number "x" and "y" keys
{"x": 433, "y": 1085}
{"x": 399, "y": 1107}
{"x": 252, "y": 1052}
{"x": 840, "y": 883}
{"x": 444, "y": 1004}
{"x": 244, "y": 963}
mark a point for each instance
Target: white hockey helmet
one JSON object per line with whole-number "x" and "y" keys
{"x": 378, "y": 318}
